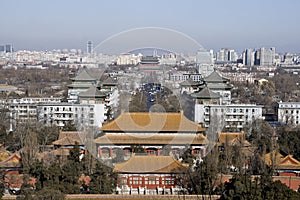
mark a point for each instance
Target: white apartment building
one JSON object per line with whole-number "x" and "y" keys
{"x": 22, "y": 112}
{"x": 231, "y": 117}
{"x": 51, "y": 111}
{"x": 128, "y": 59}
{"x": 32, "y": 100}
{"x": 81, "y": 115}
{"x": 179, "y": 76}
{"x": 25, "y": 109}
{"x": 288, "y": 112}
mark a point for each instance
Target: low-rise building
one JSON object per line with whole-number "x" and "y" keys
{"x": 288, "y": 112}
{"x": 232, "y": 117}
{"x": 66, "y": 113}
{"x": 149, "y": 175}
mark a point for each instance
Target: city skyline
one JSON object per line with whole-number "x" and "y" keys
{"x": 234, "y": 24}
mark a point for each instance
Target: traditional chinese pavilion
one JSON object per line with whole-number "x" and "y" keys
{"x": 155, "y": 133}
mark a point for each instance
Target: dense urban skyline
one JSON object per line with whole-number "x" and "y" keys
{"x": 233, "y": 24}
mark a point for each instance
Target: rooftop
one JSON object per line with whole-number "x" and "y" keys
{"x": 152, "y": 122}
{"x": 206, "y": 93}
{"x": 189, "y": 82}
{"x": 83, "y": 76}
{"x": 93, "y": 92}
{"x": 152, "y": 139}
{"x": 282, "y": 162}
{"x": 215, "y": 77}
{"x": 150, "y": 164}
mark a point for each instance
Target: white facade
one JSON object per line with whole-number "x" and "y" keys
{"x": 51, "y": 111}
{"x": 21, "y": 113}
{"x": 168, "y": 59}
{"x": 225, "y": 95}
{"x": 183, "y": 76}
{"x": 204, "y": 61}
{"x": 128, "y": 59}
{"x": 267, "y": 56}
{"x": 288, "y": 112}
{"x": 31, "y": 100}
{"x": 80, "y": 115}
{"x": 233, "y": 116}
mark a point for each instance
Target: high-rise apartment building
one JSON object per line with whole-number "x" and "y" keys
{"x": 248, "y": 57}
{"x": 8, "y": 48}
{"x": 89, "y": 48}
{"x": 226, "y": 55}
{"x": 2, "y": 48}
{"x": 266, "y": 56}
{"x": 205, "y": 62}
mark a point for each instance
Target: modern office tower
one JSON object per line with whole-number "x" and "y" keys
{"x": 248, "y": 57}
{"x": 8, "y": 48}
{"x": 89, "y": 48}
{"x": 204, "y": 62}
{"x": 2, "y": 48}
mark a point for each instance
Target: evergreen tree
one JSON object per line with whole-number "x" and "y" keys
{"x": 263, "y": 188}
{"x": 103, "y": 180}
{"x": 71, "y": 171}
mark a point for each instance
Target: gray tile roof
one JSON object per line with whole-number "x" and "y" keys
{"x": 83, "y": 76}
{"x": 215, "y": 77}
{"x": 92, "y": 92}
{"x": 109, "y": 81}
{"x": 205, "y": 93}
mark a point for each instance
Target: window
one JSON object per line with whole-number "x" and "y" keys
{"x": 151, "y": 180}
{"x": 169, "y": 181}
{"x": 136, "y": 180}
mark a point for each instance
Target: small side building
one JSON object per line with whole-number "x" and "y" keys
{"x": 149, "y": 175}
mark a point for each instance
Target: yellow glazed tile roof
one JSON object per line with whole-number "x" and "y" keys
{"x": 280, "y": 161}
{"x": 150, "y": 164}
{"x": 152, "y": 122}
{"x": 159, "y": 139}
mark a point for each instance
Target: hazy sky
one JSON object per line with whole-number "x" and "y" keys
{"x": 237, "y": 24}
